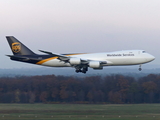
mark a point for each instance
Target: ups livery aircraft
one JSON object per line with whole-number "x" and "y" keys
{"x": 79, "y": 61}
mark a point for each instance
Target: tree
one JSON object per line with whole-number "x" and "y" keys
{"x": 115, "y": 97}
{"x": 17, "y": 96}
{"x": 149, "y": 88}
{"x": 44, "y": 96}
{"x": 32, "y": 97}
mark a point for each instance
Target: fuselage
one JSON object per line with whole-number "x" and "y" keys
{"x": 118, "y": 58}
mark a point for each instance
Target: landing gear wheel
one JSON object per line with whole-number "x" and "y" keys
{"x": 83, "y": 69}
{"x": 140, "y": 69}
{"x": 78, "y": 70}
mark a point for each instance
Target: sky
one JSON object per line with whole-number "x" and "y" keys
{"x": 78, "y": 26}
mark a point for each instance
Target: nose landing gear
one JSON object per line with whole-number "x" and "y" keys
{"x": 140, "y": 69}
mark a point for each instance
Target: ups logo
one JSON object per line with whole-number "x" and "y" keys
{"x": 16, "y": 47}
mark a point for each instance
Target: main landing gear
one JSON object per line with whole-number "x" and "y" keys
{"x": 82, "y": 69}
{"x": 140, "y": 69}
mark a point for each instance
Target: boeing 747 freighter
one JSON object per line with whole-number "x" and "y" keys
{"x": 79, "y": 61}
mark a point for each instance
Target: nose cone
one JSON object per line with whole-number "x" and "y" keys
{"x": 150, "y": 58}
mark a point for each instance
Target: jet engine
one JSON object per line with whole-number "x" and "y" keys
{"x": 75, "y": 61}
{"x": 95, "y": 65}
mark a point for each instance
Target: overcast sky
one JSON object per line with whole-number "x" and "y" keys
{"x": 71, "y": 26}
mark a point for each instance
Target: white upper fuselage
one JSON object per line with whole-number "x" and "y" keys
{"x": 126, "y": 57}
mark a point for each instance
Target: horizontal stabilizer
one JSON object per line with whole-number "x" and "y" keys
{"x": 20, "y": 58}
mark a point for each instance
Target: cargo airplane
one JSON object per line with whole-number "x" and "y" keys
{"x": 79, "y": 61}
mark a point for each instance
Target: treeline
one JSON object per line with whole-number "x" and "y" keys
{"x": 61, "y": 89}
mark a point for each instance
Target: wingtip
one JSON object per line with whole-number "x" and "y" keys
{"x": 40, "y": 50}
{"x": 50, "y": 53}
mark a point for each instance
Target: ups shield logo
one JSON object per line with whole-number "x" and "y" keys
{"x": 16, "y": 47}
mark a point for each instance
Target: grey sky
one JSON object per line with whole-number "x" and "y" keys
{"x": 68, "y": 26}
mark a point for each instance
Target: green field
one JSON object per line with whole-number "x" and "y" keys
{"x": 79, "y": 112}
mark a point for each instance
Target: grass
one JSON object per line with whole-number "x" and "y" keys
{"x": 79, "y": 112}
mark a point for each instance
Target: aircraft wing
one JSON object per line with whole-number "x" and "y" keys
{"x": 66, "y": 58}
{"x": 81, "y": 65}
{"x": 60, "y": 56}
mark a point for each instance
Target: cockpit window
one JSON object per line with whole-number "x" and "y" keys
{"x": 143, "y": 51}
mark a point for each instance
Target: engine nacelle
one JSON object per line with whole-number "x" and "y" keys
{"x": 75, "y": 61}
{"x": 95, "y": 65}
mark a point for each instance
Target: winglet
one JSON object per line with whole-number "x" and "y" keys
{"x": 50, "y": 53}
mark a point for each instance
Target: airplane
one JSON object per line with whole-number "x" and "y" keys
{"x": 79, "y": 61}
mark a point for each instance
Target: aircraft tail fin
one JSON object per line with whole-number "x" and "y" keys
{"x": 17, "y": 47}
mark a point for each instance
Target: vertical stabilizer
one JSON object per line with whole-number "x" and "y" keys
{"x": 17, "y": 47}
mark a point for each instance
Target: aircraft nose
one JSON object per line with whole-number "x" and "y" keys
{"x": 151, "y": 58}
